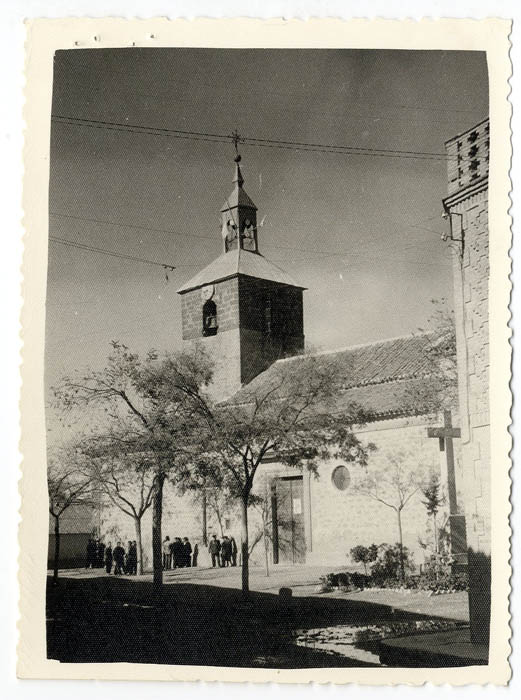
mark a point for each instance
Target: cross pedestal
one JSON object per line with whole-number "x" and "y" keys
{"x": 458, "y": 538}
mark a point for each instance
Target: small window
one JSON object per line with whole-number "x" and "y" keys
{"x": 209, "y": 318}
{"x": 341, "y": 477}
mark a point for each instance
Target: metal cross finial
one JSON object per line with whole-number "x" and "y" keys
{"x": 236, "y": 138}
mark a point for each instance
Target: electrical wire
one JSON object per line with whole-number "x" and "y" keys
{"x": 253, "y": 141}
{"x": 113, "y": 253}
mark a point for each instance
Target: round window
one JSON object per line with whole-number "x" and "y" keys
{"x": 341, "y": 477}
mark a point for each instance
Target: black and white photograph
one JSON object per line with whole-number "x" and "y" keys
{"x": 267, "y": 358}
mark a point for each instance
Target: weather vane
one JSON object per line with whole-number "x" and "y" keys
{"x": 236, "y": 138}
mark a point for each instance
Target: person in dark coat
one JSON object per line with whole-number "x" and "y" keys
{"x": 214, "y": 548}
{"x": 234, "y": 550}
{"x": 91, "y": 554}
{"x": 119, "y": 559}
{"x": 108, "y": 558}
{"x": 126, "y": 568}
{"x": 167, "y": 553}
{"x": 226, "y": 551}
{"x": 132, "y": 558}
{"x": 177, "y": 553}
{"x": 195, "y": 554}
{"x": 100, "y": 554}
{"x": 187, "y": 552}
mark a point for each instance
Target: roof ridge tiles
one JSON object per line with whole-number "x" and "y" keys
{"x": 358, "y": 346}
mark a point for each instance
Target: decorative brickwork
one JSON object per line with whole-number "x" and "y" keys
{"x": 467, "y": 206}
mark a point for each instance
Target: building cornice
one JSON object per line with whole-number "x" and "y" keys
{"x": 466, "y": 192}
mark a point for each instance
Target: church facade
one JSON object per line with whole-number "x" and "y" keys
{"x": 249, "y": 314}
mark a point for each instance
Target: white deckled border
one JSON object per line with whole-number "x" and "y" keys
{"x": 46, "y": 36}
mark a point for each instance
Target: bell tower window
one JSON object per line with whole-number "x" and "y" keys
{"x": 209, "y": 318}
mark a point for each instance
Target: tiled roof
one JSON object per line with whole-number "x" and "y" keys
{"x": 239, "y": 262}
{"x": 384, "y": 378}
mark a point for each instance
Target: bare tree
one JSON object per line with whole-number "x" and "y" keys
{"x": 294, "y": 417}
{"x": 155, "y": 403}
{"x": 393, "y": 484}
{"x": 434, "y": 499}
{"x": 127, "y": 480}
{"x": 69, "y": 484}
{"x": 261, "y": 502}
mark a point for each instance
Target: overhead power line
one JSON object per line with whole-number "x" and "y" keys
{"x": 133, "y": 226}
{"x": 113, "y": 253}
{"x": 249, "y": 140}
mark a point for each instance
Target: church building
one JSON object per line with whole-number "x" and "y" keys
{"x": 249, "y": 313}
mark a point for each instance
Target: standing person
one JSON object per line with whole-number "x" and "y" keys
{"x": 119, "y": 559}
{"x": 214, "y": 548}
{"x": 167, "y": 556}
{"x": 226, "y": 551}
{"x": 195, "y": 554}
{"x": 187, "y": 552}
{"x": 128, "y": 561}
{"x": 234, "y": 550}
{"x": 91, "y": 554}
{"x": 132, "y": 558}
{"x": 100, "y": 554}
{"x": 177, "y": 553}
{"x": 108, "y": 558}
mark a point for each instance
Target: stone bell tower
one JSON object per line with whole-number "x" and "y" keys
{"x": 246, "y": 310}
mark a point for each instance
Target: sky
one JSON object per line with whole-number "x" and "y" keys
{"x": 361, "y": 233}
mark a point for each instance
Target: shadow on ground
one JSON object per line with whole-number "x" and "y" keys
{"x": 99, "y": 620}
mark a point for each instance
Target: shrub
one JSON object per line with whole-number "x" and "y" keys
{"x": 387, "y": 565}
{"x": 360, "y": 580}
{"x": 364, "y": 555}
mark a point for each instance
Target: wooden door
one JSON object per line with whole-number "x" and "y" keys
{"x": 289, "y": 539}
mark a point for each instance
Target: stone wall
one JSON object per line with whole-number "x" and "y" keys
{"x": 336, "y": 520}
{"x": 468, "y": 209}
{"x": 340, "y": 520}
{"x": 471, "y": 310}
{"x": 226, "y": 298}
{"x": 244, "y": 346}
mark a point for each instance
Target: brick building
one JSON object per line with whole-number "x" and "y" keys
{"x": 249, "y": 314}
{"x": 467, "y": 209}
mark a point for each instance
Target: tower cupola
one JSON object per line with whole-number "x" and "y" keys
{"x": 239, "y": 217}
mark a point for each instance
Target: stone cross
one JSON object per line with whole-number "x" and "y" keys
{"x": 445, "y": 434}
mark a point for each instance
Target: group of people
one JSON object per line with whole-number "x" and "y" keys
{"x": 100, "y": 556}
{"x": 95, "y": 554}
{"x": 223, "y": 553}
{"x": 178, "y": 553}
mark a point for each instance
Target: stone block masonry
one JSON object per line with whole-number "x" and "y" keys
{"x": 258, "y": 322}
{"x": 467, "y": 206}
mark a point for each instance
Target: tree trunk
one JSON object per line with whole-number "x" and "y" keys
{"x": 56, "y": 549}
{"x": 244, "y": 546}
{"x": 266, "y": 550}
{"x": 220, "y": 521}
{"x": 157, "y": 514}
{"x": 205, "y": 527}
{"x": 402, "y": 563}
{"x": 139, "y": 545}
{"x": 435, "y": 525}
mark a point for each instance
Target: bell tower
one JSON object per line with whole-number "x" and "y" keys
{"x": 245, "y": 309}
{"x": 239, "y": 217}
